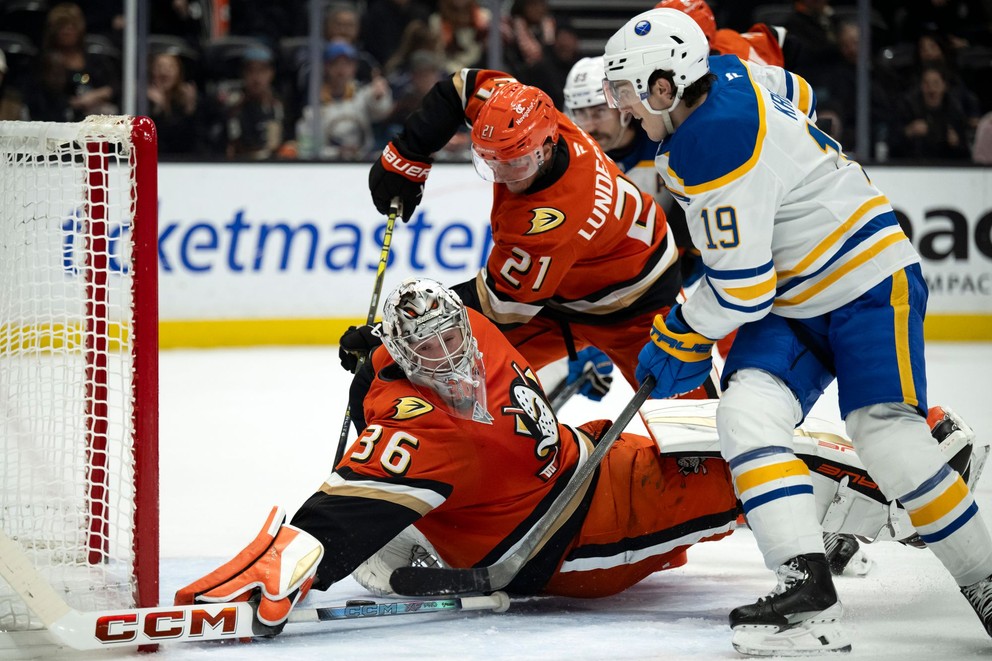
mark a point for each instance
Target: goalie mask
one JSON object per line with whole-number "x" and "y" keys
{"x": 426, "y": 330}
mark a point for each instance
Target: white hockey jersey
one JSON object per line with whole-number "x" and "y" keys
{"x": 785, "y": 224}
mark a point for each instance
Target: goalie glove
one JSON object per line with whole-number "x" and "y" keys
{"x": 396, "y": 174}
{"x": 276, "y": 570}
{"x": 677, "y": 356}
{"x": 357, "y": 343}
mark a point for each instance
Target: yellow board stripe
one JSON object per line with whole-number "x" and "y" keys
{"x": 758, "y": 476}
{"x": 190, "y": 334}
{"x": 941, "y": 505}
{"x": 252, "y": 332}
{"x": 43, "y": 338}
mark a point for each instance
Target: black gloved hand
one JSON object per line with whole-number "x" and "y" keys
{"x": 394, "y": 174}
{"x": 357, "y": 342}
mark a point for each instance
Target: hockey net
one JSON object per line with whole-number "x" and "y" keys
{"x": 78, "y": 361}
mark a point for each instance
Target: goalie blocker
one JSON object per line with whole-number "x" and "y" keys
{"x": 847, "y": 499}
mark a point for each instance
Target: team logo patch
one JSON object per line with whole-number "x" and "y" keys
{"x": 642, "y": 28}
{"x": 535, "y": 420}
{"x": 411, "y": 407}
{"x": 545, "y": 219}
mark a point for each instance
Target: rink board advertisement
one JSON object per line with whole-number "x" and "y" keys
{"x": 287, "y": 253}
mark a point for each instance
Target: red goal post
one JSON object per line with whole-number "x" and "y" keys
{"x": 79, "y": 362}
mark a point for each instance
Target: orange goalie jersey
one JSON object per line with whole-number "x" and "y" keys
{"x": 589, "y": 245}
{"x": 475, "y": 487}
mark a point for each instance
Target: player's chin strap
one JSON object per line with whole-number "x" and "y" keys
{"x": 666, "y": 114}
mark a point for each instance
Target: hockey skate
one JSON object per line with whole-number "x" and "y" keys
{"x": 800, "y": 617}
{"x": 845, "y": 556}
{"x": 979, "y": 596}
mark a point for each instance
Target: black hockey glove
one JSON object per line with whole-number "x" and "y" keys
{"x": 395, "y": 174}
{"x": 357, "y": 342}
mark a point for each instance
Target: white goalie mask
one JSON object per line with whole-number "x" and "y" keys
{"x": 426, "y": 330}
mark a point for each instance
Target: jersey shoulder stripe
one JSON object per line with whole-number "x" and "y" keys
{"x": 721, "y": 140}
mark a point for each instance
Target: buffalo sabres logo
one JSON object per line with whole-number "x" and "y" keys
{"x": 535, "y": 419}
{"x": 411, "y": 407}
{"x": 545, "y": 219}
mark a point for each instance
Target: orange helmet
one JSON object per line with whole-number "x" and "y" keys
{"x": 698, "y": 10}
{"x": 510, "y": 131}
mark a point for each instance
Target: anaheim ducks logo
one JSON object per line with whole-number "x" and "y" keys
{"x": 535, "y": 419}
{"x": 545, "y": 219}
{"x": 411, "y": 407}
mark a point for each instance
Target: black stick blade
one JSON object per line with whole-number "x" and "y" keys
{"x": 439, "y": 581}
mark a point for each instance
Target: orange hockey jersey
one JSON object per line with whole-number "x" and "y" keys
{"x": 760, "y": 44}
{"x": 583, "y": 241}
{"x": 488, "y": 481}
{"x": 474, "y": 489}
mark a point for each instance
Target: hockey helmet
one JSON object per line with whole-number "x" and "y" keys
{"x": 584, "y": 84}
{"x": 426, "y": 330}
{"x": 510, "y": 131}
{"x": 698, "y": 10}
{"x": 658, "y": 39}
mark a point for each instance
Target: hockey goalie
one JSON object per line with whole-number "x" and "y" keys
{"x": 461, "y": 454}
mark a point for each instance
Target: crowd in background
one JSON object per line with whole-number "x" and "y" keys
{"x": 229, "y": 78}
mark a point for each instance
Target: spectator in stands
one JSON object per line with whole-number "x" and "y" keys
{"x": 417, "y": 37}
{"x": 263, "y": 19}
{"x": 462, "y": 28}
{"x": 837, "y": 95}
{"x": 186, "y": 19}
{"x": 982, "y": 150}
{"x": 551, "y": 71}
{"x": 348, "y": 108}
{"x": 75, "y": 85}
{"x": 418, "y": 75}
{"x": 962, "y": 21}
{"x": 255, "y": 113}
{"x": 11, "y": 101}
{"x": 529, "y": 33}
{"x": 174, "y": 104}
{"x": 935, "y": 48}
{"x": 341, "y": 23}
{"x": 815, "y": 30}
{"x": 932, "y": 124}
{"x": 385, "y": 23}
{"x": 48, "y": 99}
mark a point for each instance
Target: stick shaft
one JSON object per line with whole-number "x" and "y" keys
{"x": 395, "y": 208}
{"x": 446, "y": 580}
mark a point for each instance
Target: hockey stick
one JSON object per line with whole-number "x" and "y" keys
{"x": 395, "y": 209}
{"x": 130, "y": 627}
{"x": 564, "y": 391}
{"x": 448, "y": 581}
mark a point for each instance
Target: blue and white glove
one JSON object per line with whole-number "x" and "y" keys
{"x": 677, "y": 356}
{"x": 599, "y": 380}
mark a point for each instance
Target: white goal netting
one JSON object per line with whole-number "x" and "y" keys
{"x": 68, "y": 344}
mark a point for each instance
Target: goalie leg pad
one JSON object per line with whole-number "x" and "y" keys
{"x": 409, "y": 548}
{"x": 278, "y": 568}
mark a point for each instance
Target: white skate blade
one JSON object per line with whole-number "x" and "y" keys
{"x": 820, "y": 634}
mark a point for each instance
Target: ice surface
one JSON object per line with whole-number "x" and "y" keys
{"x": 242, "y": 430}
